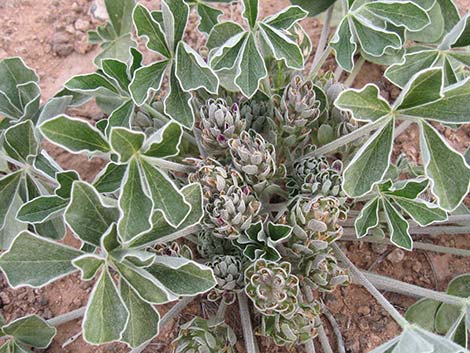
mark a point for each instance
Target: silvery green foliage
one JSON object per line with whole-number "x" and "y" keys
{"x": 211, "y": 336}
{"x": 228, "y": 272}
{"x": 272, "y": 287}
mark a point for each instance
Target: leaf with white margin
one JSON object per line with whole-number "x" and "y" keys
{"x": 116, "y": 70}
{"x": 228, "y": 54}
{"x": 146, "y": 79}
{"x": 34, "y": 261}
{"x": 142, "y": 325}
{"x": 192, "y": 71}
{"x": 175, "y": 18}
{"x": 400, "y": 74}
{"x": 135, "y": 205}
{"x": 165, "y": 142}
{"x": 282, "y": 46}
{"x": 150, "y": 29}
{"x": 182, "y": 276}
{"x": 368, "y": 218}
{"x": 65, "y": 180}
{"x": 12, "y": 226}
{"x": 106, "y": 315}
{"x": 94, "y": 84}
{"x": 88, "y": 264}
{"x": 365, "y": 104}
{"x": 344, "y": 45}
{"x": 422, "y": 212}
{"x": 371, "y": 162}
{"x": 161, "y": 230}
{"x": 221, "y": 33}
{"x": 177, "y": 103}
{"x": 86, "y": 215}
{"x": 110, "y": 178}
{"x": 446, "y": 168}
{"x": 286, "y": 18}
{"x": 434, "y": 31}
{"x": 75, "y": 135}
{"x": 121, "y": 117}
{"x": 31, "y": 330}
{"x": 399, "y": 234}
{"x": 126, "y": 143}
{"x": 208, "y": 17}
{"x": 459, "y": 36}
{"x": 147, "y": 287}
{"x": 21, "y": 142}
{"x": 423, "y": 313}
{"x": 165, "y": 195}
{"x": 41, "y": 209}
{"x": 250, "y": 11}
{"x": 409, "y": 189}
{"x": 119, "y": 12}
{"x": 9, "y": 185}
{"x": 251, "y": 68}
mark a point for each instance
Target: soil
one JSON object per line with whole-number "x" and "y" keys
{"x": 50, "y": 36}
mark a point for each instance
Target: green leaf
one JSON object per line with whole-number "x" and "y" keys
{"x": 459, "y": 37}
{"x": 450, "y": 13}
{"x": 94, "y": 84}
{"x": 229, "y": 53}
{"x": 177, "y": 103}
{"x": 221, "y": 33}
{"x": 161, "y": 229}
{"x": 31, "y": 330}
{"x": 442, "y": 165}
{"x": 120, "y": 15}
{"x": 118, "y": 48}
{"x": 126, "y": 143}
{"x": 368, "y": 218}
{"x": 117, "y": 71}
{"x": 110, "y": 240}
{"x": 344, "y": 45}
{"x": 110, "y": 178}
{"x": 175, "y": 18}
{"x": 413, "y": 63}
{"x": 147, "y": 287}
{"x": 41, "y": 209}
{"x": 21, "y": 142}
{"x": 146, "y": 26}
{"x": 405, "y": 14}
{"x": 370, "y": 163}
{"x": 314, "y": 7}
{"x": 136, "y": 207}
{"x": 86, "y": 214}
{"x": 146, "y": 79}
{"x": 451, "y": 108}
{"x": 422, "y": 212}
{"x": 208, "y": 17}
{"x": 165, "y": 195}
{"x": 398, "y": 226}
{"x": 424, "y": 87}
{"x": 121, "y": 117}
{"x": 142, "y": 325}
{"x": 409, "y": 189}
{"x": 365, "y": 104}
{"x": 73, "y": 134}
{"x": 88, "y": 265}
{"x": 66, "y": 179}
{"x": 8, "y": 188}
{"x": 250, "y": 11}
{"x": 35, "y": 261}
{"x": 165, "y": 142}
{"x": 374, "y": 40}
{"x": 182, "y": 276}
{"x": 106, "y": 315}
{"x": 191, "y": 70}
{"x": 434, "y": 31}
{"x": 251, "y": 68}
{"x": 12, "y": 226}
{"x": 283, "y": 47}
{"x": 423, "y": 313}
{"x": 286, "y": 18}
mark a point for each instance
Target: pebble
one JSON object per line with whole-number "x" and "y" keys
{"x": 417, "y": 266}
{"x": 61, "y": 44}
{"x": 396, "y": 256}
{"x": 364, "y": 310}
{"x": 379, "y": 248}
{"x": 82, "y": 25}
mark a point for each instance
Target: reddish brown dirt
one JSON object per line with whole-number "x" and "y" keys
{"x": 49, "y": 35}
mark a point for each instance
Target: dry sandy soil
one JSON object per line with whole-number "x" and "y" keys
{"x": 50, "y": 36}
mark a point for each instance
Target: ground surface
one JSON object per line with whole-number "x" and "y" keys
{"x": 50, "y": 36}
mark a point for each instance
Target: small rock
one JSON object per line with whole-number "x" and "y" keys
{"x": 98, "y": 10}
{"x": 76, "y": 8}
{"x": 363, "y": 310}
{"x": 396, "y": 256}
{"x": 70, "y": 29}
{"x": 62, "y": 44}
{"x": 417, "y": 266}
{"x": 379, "y": 248}
{"x": 81, "y": 45}
{"x": 82, "y": 25}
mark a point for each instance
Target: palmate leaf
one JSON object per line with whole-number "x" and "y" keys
{"x": 88, "y": 265}
{"x": 126, "y": 143}
{"x": 178, "y": 103}
{"x": 250, "y": 11}
{"x": 208, "y": 17}
{"x": 41, "y": 209}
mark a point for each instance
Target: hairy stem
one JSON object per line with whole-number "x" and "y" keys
{"x": 220, "y": 315}
{"x": 395, "y": 286}
{"x": 323, "y": 37}
{"x": 178, "y": 234}
{"x": 315, "y": 68}
{"x": 250, "y": 342}
{"x": 336, "y": 329}
{"x": 362, "y": 280}
{"x": 173, "y": 166}
{"x": 324, "y": 341}
{"x": 352, "y": 76}
{"x": 64, "y": 318}
{"x": 433, "y": 230}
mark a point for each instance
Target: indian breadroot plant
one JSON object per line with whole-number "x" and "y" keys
{"x": 236, "y": 170}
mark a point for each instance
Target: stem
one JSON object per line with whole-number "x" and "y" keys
{"x": 433, "y": 230}
{"x": 173, "y": 166}
{"x": 362, "y": 279}
{"x": 170, "y": 315}
{"x": 344, "y": 140}
{"x": 338, "y": 72}
{"x": 395, "y": 286}
{"x": 220, "y": 315}
{"x": 197, "y": 136}
{"x": 178, "y": 234}
{"x": 325, "y": 343}
{"x": 315, "y": 68}
{"x": 250, "y": 343}
{"x": 323, "y": 37}
{"x": 416, "y": 245}
{"x": 152, "y": 111}
{"x": 336, "y": 329}
{"x": 402, "y": 127}
{"x": 352, "y": 76}
{"x": 309, "y": 347}
{"x": 64, "y": 318}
